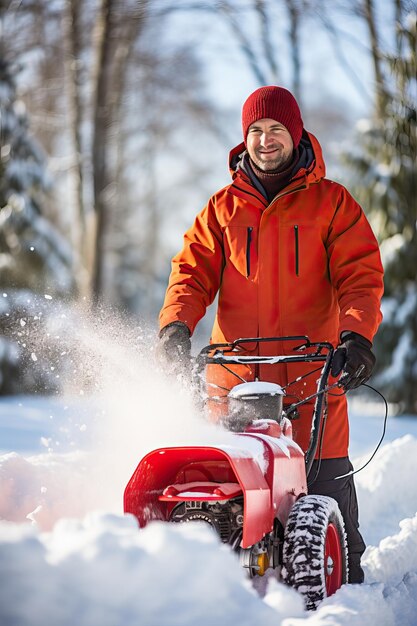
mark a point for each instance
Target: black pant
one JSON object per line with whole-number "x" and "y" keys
{"x": 320, "y": 482}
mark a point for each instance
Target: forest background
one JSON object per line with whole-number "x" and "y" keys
{"x": 116, "y": 119}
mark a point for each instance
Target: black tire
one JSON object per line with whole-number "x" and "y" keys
{"x": 314, "y": 559}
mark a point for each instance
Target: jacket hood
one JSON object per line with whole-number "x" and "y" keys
{"x": 310, "y": 164}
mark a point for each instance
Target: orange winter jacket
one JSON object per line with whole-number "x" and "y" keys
{"x": 306, "y": 263}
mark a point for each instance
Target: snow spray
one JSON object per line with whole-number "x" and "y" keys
{"x": 120, "y": 405}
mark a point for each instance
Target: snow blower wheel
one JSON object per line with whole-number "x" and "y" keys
{"x": 315, "y": 550}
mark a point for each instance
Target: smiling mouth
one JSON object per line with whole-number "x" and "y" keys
{"x": 267, "y": 152}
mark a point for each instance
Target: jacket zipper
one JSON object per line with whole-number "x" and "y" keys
{"x": 296, "y": 243}
{"x": 286, "y": 193}
{"x": 248, "y": 243}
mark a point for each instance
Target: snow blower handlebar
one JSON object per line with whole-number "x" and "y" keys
{"x": 228, "y": 354}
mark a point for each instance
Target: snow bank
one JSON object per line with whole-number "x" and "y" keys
{"x": 387, "y": 491}
{"x": 103, "y": 571}
{"x": 395, "y": 556}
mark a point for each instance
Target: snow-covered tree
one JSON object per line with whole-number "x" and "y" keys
{"x": 34, "y": 257}
{"x": 386, "y": 168}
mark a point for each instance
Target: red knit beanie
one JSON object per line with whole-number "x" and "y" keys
{"x": 275, "y": 103}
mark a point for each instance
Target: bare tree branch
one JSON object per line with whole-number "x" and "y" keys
{"x": 376, "y": 57}
{"x": 244, "y": 43}
{"x": 398, "y": 21}
{"x": 73, "y": 47}
{"x": 360, "y": 87}
{"x": 102, "y": 123}
{"x": 294, "y": 14}
{"x": 266, "y": 39}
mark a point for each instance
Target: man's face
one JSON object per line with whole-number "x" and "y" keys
{"x": 269, "y": 144}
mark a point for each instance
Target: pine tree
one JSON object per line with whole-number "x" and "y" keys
{"x": 34, "y": 257}
{"x": 386, "y": 169}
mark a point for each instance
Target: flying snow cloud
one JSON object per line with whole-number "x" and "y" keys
{"x": 116, "y": 405}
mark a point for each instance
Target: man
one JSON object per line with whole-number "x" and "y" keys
{"x": 290, "y": 253}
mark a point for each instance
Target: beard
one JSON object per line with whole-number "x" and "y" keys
{"x": 275, "y": 164}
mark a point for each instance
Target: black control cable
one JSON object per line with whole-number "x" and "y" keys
{"x": 352, "y": 472}
{"x": 384, "y": 428}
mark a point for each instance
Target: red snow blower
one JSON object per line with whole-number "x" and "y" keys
{"x": 257, "y": 503}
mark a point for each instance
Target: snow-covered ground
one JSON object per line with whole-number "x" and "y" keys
{"x": 69, "y": 556}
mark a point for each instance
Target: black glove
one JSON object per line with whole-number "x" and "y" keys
{"x": 355, "y": 358}
{"x": 174, "y": 346}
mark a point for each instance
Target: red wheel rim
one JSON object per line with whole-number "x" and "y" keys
{"x": 332, "y": 560}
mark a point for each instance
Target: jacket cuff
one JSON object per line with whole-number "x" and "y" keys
{"x": 345, "y": 335}
{"x": 177, "y": 323}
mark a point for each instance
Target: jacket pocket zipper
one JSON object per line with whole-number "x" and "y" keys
{"x": 248, "y": 243}
{"x": 297, "y": 245}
